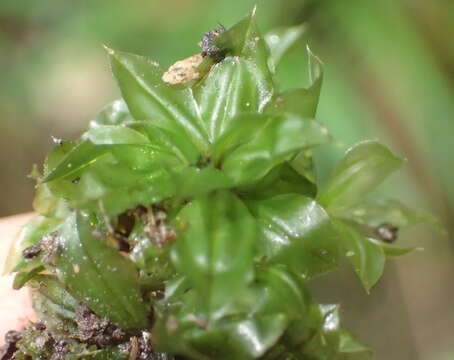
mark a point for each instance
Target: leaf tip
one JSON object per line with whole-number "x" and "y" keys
{"x": 109, "y": 50}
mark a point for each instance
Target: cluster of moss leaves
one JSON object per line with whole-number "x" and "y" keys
{"x": 226, "y": 222}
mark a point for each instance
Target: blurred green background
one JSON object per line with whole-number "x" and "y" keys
{"x": 389, "y": 74}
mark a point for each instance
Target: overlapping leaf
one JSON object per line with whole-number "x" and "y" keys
{"x": 278, "y": 139}
{"x": 255, "y": 320}
{"x": 296, "y": 231}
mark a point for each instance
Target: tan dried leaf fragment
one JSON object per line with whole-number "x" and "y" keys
{"x": 184, "y": 70}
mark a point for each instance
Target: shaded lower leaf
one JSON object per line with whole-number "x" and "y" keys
{"x": 98, "y": 275}
{"x": 283, "y": 179}
{"x": 214, "y": 250}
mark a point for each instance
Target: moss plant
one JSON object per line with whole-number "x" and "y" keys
{"x": 186, "y": 222}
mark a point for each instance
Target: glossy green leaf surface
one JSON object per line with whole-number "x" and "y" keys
{"x": 296, "y": 231}
{"x": 149, "y": 98}
{"x": 98, "y": 275}
{"x": 366, "y": 257}
{"x": 363, "y": 168}
{"x": 279, "y": 138}
{"x": 302, "y": 102}
{"x": 233, "y": 86}
{"x": 216, "y": 236}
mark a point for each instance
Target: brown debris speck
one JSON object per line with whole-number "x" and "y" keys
{"x": 95, "y": 330}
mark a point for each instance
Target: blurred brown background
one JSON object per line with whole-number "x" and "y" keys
{"x": 389, "y": 75}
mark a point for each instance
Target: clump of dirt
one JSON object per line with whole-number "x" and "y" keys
{"x": 7, "y": 351}
{"x": 95, "y": 330}
{"x": 387, "y": 232}
{"x": 139, "y": 348}
{"x": 209, "y": 47}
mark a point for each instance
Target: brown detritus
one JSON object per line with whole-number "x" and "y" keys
{"x": 95, "y": 330}
{"x": 209, "y": 48}
{"x": 184, "y": 70}
{"x": 61, "y": 348}
{"x": 387, "y": 232}
{"x": 156, "y": 227}
{"x": 139, "y": 348}
{"x": 50, "y": 247}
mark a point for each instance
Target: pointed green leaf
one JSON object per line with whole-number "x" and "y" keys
{"x": 22, "y": 278}
{"x": 296, "y": 231}
{"x": 363, "y": 168}
{"x": 390, "y": 211}
{"x": 244, "y": 40}
{"x": 232, "y": 87}
{"x": 115, "y": 135}
{"x": 280, "y": 40}
{"x": 366, "y": 257}
{"x": 149, "y": 98}
{"x": 216, "y": 235}
{"x": 301, "y": 102}
{"x": 352, "y": 349}
{"x": 394, "y": 251}
{"x": 279, "y": 138}
{"x": 116, "y": 113}
{"x": 98, "y": 275}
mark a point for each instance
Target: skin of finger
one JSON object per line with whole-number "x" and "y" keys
{"x": 15, "y": 305}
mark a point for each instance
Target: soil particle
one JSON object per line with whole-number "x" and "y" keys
{"x": 61, "y": 348}
{"x": 48, "y": 246}
{"x": 95, "y": 330}
{"x": 139, "y": 348}
{"x": 7, "y": 351}
{"x": 209, "y": 47}
{"x": 387, "y": 232}
{"x": 32, "y": 251}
